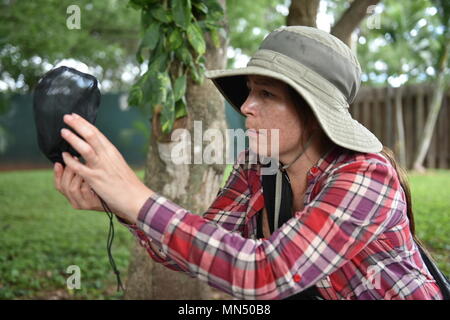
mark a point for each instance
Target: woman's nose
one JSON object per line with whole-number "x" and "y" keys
{"x": 248, "y": 107}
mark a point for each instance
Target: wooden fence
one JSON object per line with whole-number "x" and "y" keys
{"x": 375, "y": 108}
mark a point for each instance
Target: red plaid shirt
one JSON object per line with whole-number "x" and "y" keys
{"x": 352, "y": 239}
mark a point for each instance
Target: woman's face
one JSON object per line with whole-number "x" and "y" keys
{"x": 270, "y": 106}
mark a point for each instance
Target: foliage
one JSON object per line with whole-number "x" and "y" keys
{"x": 250, "y": 23}
{"x": 408, "y": 44}
{"x": 34, "y": 37}
{"x": 173, "y": 34}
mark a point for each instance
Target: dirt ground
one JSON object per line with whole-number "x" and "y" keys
{"x": 23, "y": 166}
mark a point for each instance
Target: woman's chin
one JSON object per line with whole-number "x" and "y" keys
{"x": 260, "y": 150}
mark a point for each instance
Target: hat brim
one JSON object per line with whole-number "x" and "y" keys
{"x": 336, "y": 121}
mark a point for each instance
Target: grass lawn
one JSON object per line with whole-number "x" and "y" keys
{"x": 431, "y": 206}
{"x": 40, "y": 236}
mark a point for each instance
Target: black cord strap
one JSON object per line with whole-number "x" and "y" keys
{"x": 109, "y": 244}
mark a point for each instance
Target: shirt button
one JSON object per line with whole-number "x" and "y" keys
{"x": 297, "y": 277}
{"x": 314, "y": 170}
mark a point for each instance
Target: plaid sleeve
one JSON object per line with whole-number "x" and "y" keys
{"x": 145, "y": 242}
{"x": 230, "y": 206}
{"x": 227, "y": 210}
{"x": 350, "y": 211}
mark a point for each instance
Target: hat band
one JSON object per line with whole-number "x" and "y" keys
{"x": 300, "y": 75}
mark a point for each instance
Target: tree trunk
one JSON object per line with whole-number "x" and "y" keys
{"x": 400, "y": 143}
{"x": 303, "y": 13}
{"x": 350, "y": 20}
{"x": 435, "y": 107}
{"x": 193, "y": 187}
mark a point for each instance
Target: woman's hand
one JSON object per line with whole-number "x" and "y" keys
{"x": 75, "y": 189}
{"x": 105, "y": 171}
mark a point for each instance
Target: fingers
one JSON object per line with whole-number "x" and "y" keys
{"x": 58, "y": 171}
{"x": 83, "y": 148}
{"x": 75, "y": 166}
{"x": 74, "y": 195}
{"x": 75, "y": 188}
{"x": 85, "y": 129}
{"x": 66, "y": 179}
{"x": 90, "y": 198}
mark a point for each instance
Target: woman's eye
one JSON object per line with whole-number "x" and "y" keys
{"x": 266, "y": 94}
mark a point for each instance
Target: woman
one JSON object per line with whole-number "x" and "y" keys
{"x": 334, "y": 222}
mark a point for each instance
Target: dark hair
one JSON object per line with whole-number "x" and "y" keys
{"x": 309, "y": 122}
{"x": 403, "y": 179}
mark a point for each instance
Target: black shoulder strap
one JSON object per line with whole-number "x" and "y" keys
{"x": 441, "y": 279}
{"x": 268, "y": 181}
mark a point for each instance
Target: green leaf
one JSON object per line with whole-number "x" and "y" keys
{"x": 158, "y": 63}
{"x": 179, "y": 88}
{"x": 134, "y": 4}
{"x": 168, "y": 114}
{"x": 175, "y": 39}
{"x": 184, "y": 55}
{"x": 151, "y": 89}
{"x": 195, "y": 37}
{"x": 215, "y": 10}
{"x": 181, "y": 12}
{"x": 201, "y": 7}
{"x": 151, "y": 36}
{"x": 196, "y": 74}
{"x": 165, "y": 86}
{"x": 160, "y": 14}
{"x": 146, "y": 19}
{"x": 168, "y": 111}
{"x": 139, "y": 57}
{"x": 215, "y": 37}
{"x": 135, "y": 96}
{"x": 180, "y": 109}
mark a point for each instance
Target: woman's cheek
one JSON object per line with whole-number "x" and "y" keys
{"x": 259, "y": 144}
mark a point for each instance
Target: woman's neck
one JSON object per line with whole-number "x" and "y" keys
{"x": 300, "y": 167}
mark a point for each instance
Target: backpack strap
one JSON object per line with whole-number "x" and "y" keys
{"x": 441, "y": 280}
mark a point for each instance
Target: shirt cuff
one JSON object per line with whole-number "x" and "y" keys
{"x": 144, "y": 240}
{"x": 155, "y": 216}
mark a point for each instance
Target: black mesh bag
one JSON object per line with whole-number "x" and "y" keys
{"x": 61, "y": 91}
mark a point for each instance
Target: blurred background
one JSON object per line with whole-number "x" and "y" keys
{"x": 403, "y": 48}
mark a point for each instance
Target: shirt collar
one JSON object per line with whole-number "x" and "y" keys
{"x": 324, "y": 162}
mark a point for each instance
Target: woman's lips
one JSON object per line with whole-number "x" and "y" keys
{"x": 254, "y": 132}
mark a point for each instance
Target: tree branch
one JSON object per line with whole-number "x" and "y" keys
{"x": 350, "y": 19}
{"x": 303, "y": 13}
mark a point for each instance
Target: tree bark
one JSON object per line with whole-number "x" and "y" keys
{"x": 435, "y": 107}
{"x": 303, "y": 13}
{"x": 193, "y": 187}
{"x": 350, "y": 20}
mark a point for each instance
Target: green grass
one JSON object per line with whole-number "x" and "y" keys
{"x": 41, "y": 235}
{"x": 431, "y": 206}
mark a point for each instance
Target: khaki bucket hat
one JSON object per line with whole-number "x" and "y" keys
{"x": 320, "y": 67}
